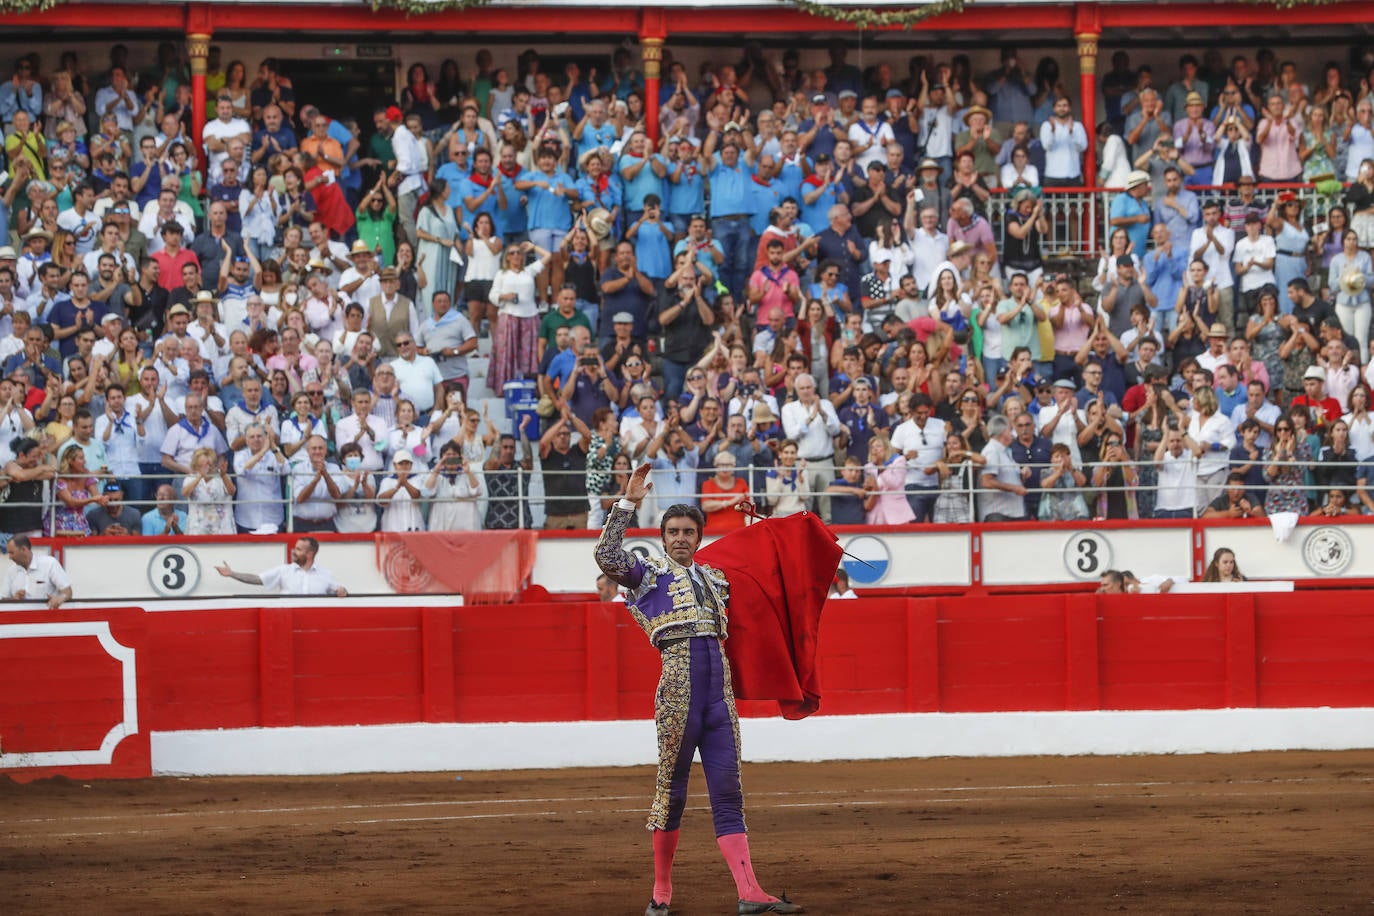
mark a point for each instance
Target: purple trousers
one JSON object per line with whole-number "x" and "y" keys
{"x": 694, "y": 710}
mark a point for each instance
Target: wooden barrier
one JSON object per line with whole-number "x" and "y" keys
{"x": 69, "y": 680}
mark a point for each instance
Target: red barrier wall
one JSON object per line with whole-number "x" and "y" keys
{"x": 360, "y": 665}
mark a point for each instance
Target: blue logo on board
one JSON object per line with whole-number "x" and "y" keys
{"x": 875, "y": 556}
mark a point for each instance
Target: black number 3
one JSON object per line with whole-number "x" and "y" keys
{"x": 1087, "y": 556}
{"x": 174, "y": 579}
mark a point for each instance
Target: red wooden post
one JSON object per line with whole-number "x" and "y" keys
{"x": 436, "y": 651}
{"x": 1087, "y": 91}
{"x": 653, "y": 59}
{"x": 1082, "y": 676}
{"x": 1242, "y": 667}
{"x": 198, "y": 46}
{"x": 923, "y": 655}
{"x": 276, "y": 667}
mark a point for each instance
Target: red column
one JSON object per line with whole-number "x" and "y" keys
{"x": 1087, "y": 91}
{"x": 652, "y": 49}
{"x": 198, "y": 47}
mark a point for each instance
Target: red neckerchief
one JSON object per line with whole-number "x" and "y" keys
{"x": 759, "y": 182}
{"x": 600, "y": 183}
{"x": 483, "y": 180}
{"x": 814, "y": 179}
{"x": 511, "y": 174}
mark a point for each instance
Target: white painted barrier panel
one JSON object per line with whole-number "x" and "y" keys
{"x": 914, "y": 560}
{"x": 1054, "y": 555}
{"x": 885, "y": 560}
{"x": 109, "y": 572}
{"x": 1312, "y": 550}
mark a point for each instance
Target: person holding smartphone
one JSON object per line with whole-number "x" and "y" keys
{"x": 456, "y": 488}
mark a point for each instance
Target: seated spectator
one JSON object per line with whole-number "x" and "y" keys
{"x": 165, "y": 518}
{"x": 1223, "y": 567}
{"x": 1234, "y": 501}
{"x": 114, "y": 517}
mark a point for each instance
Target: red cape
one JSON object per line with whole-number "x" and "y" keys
{"x": 780, "y": 572}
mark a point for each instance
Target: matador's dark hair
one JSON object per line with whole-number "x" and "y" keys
{"x": 681, "y": 510}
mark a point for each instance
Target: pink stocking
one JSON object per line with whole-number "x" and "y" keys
{"x": 735, "y": 848}
{"x": 665, "y": 847}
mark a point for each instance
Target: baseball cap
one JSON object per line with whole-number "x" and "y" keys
{"x": 403, "y": 457}
{"x": 622, "y": 318}
{"x": 818, "y": 99}
{"x": 1065, "y": 383}
{"x": 847, "y": 94}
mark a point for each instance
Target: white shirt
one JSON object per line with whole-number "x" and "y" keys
{"x": 1177, "y": 481}
{"x": 879, "y": 135}
{"x": 923, "y": 446}
{"x": 1066, "y": 433}
{"x": 290, "y": 579}
{"x": 937, "y": 130}
{"x": 319, "y": 505}
{"x": 1261, "y": 249}
{"x": 367, "y": 290}
{"x": 149, "y": 224}
{"x": 417, "y": 378}
{"x": 223, "y": 130}
{"x": 43, "y": 579}
{"x": 1218, "y": 263}
{"x": 1218, "y": 429}
{"x": 402, "y": 511}
{"x": 927, "y": 251}
{"x": 84, "y": 226}
{"x": 814, "y": 437}
{"x": 154, "y": 428}
{"x": 349, "y": 427}
{"x": 258, "y": 501}
{"x": 409, "y": 160}
{"x": 11, "y": 428}
{"x": 1004, "y": 468}
{"x": 1064, "y": 146}
{"x": 124, "y": 445}
{"x": 1361, "y": 148}
{"x": 239, "y": 418}
{"x": 1270, "y": 412}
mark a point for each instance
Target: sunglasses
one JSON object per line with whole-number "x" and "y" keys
{"x": 633, "y": 365}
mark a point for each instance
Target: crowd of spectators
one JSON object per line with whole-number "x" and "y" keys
{"x": 832, "y": 289}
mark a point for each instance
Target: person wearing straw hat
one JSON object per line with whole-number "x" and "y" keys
{"x": 981, "y": 141}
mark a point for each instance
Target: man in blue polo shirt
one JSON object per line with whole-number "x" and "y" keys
{"x": 731, "y": 174}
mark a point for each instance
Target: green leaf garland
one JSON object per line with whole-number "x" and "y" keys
{"x": 879, "y": 19}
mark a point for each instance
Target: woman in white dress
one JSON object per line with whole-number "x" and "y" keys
{"x": 456, "y": 488}
{"x": 209, "y": 491}
{"x": 483, "y": 249}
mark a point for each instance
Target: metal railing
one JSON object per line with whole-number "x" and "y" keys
{"x": 529, "y": 491}
{"x": 1079, "y": 218}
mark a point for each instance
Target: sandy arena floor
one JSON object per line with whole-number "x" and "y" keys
{"x": 1254, "y": 833}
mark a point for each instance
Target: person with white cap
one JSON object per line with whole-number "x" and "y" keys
{"x": 400, "y": 495}
{"x": 1131, "y": 211}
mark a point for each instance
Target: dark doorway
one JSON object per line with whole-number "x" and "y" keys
{"x": 344, "y": 88}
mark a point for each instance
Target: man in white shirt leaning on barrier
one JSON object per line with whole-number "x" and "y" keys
{"x": 299, "y": 577}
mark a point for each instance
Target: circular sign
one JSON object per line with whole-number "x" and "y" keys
{"x": 870, "y": 561}
{"x": 1328, "y": 551}
{"x": 173, "y": 572}
{"x": 644, "y": 548}
{"x": 1087, "y": 555}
